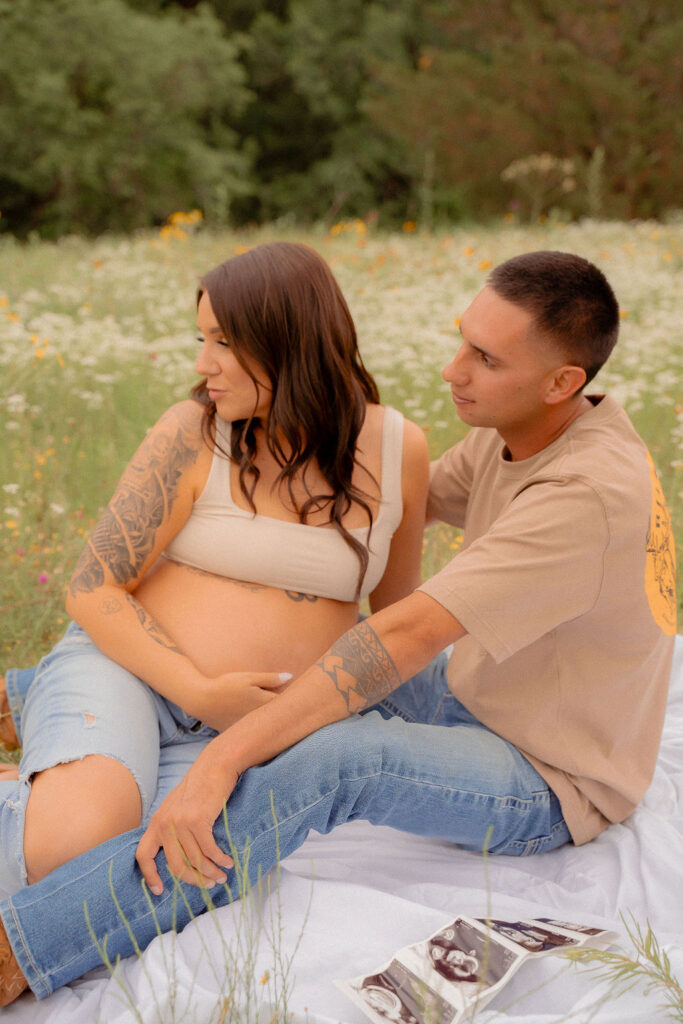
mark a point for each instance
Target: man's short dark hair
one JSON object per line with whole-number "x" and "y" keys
{"x": 571, "y": 301}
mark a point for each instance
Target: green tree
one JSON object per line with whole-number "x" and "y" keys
{"x": 333, "y": 52}
{"x": 112, "y": 118}
{"x": 308, "y": 64}
{"x": 598, "y": 84}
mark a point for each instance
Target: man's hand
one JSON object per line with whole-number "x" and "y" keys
{"x": 183, "y": 827}
{"x": 229, "y": 697}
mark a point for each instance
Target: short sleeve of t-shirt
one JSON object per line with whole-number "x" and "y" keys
{"x": 540, "y": 564}
{"x": 450, "y": 483}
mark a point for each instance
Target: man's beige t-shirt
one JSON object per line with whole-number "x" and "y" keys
{"x": 566, "y": 587}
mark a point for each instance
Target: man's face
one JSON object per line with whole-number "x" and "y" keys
{"x": 501, "y": 372}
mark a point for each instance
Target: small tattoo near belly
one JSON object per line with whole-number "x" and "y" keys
{"x": 293, "y": 595}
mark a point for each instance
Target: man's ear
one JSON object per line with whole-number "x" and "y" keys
{"x": 564, "y": 384}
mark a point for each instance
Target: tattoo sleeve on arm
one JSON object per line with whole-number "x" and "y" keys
{"x": 152, "y": 627}
{"x": 360, "y": 667}
{"x": 125, "y": 535}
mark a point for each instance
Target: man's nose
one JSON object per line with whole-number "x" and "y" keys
{"x": 455, "y": 372}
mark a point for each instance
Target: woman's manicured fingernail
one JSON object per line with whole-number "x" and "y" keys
{"x": 284, "y": 677}
{"x": 156, "y": 890}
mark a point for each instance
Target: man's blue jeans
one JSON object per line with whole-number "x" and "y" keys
{"x": 419, "y": 762}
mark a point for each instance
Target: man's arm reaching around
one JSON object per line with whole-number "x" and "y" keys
{"x": 361, "y": 668}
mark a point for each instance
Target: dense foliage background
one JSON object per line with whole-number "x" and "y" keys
{"x": 114, "y": 113}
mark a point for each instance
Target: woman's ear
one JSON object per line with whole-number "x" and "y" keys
{"x": 564, "y": 384}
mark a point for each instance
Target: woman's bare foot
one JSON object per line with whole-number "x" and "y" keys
{"x": 8, "y": 734}
{"x": 12, "y": 981}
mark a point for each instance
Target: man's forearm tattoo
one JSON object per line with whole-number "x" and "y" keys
{"x": 151, "y": 627}
{"x": 360, "y": 667}
{"x": 125, "y": 535}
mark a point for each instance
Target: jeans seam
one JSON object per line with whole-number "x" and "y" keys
{"x": 40, "y": 980}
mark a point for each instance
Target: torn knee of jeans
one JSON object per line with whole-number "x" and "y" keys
{"x": 88, "y": 719}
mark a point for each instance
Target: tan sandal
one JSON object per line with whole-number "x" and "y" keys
{"x": 8, "y": 734}
{"x": 12, "y": 981}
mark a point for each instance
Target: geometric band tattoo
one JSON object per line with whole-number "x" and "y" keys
{"x": 360, "y": 667}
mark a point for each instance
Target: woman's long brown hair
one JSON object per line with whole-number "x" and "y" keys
{"x": 280, "y": 305}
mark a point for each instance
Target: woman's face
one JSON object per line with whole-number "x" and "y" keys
{"x": 236, "y": 395}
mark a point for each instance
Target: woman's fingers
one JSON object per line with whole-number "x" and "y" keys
{"x": 262, "y": 680}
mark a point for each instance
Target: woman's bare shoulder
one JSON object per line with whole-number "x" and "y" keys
{"x": 414, "y": 441}
{"x": 188, "y": 413}
{"x": 177, "y": 434}
{"x": 183, "y": 420}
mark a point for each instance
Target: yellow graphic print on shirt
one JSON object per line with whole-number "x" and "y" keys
{"x": 660, "y": 562}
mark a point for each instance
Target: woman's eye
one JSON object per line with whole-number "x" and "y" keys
{"x": 219, "y": 341}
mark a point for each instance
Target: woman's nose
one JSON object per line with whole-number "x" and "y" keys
{"x": 205, "y": 365}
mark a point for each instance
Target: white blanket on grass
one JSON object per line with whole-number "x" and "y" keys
{"x": 354, "y": 897}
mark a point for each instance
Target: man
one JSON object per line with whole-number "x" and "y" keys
{"x": 543, "y": 725}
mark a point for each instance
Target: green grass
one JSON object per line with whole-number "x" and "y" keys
{"x": 97, "y": 338}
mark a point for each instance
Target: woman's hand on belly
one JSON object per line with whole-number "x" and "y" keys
{"x": 230, "y": 696}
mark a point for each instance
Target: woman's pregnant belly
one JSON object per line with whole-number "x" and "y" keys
{"x": 226, "y": 625}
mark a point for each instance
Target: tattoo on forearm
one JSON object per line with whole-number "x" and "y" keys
{"x": 125, "y": 535}
{"x": 150, "y": 626}
{"x": 360, "y": 667}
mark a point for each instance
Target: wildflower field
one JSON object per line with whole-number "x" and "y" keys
{"x": 97, "y": 338}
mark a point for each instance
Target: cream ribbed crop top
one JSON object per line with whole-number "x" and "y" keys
{"x": 224, "y": 539}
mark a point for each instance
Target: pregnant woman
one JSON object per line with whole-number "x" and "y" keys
{"x": 235, "y": 550}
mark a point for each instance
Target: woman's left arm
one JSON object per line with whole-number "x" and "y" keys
{"x": 402, "y": 573}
